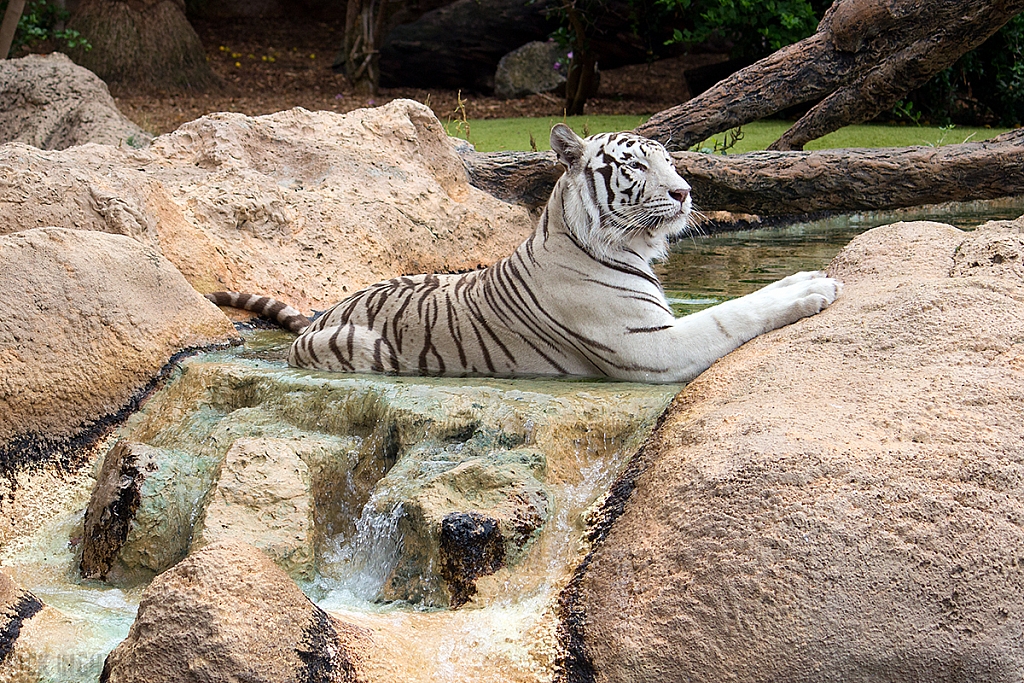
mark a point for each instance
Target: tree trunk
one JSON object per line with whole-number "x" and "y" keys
{"x": 579, "y": 85}
{"x": 865, "y": 56}
{"x": 794, "y": 183}
{"x": 147, "y": 43}
{"x": 363, "y": 23}
{"x": 9, "y": 26}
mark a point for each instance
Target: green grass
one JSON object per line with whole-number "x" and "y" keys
{"x": 490, "y": 135}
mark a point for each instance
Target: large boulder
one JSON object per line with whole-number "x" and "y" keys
{"x": 305, "y": 206}
{"x": 90, "y": 320}
{"x": 228, "y": 613}
{"x": 50, "y": 102}
{"x": 538, "y": 66}
{"x": 839, "y": 500}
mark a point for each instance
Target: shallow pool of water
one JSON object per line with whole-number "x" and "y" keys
{"x": 702, "y": 271}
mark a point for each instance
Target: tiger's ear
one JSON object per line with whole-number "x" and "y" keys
{"x": 567, "y": 145}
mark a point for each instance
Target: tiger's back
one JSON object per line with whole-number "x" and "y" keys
{"x": 526, "y": 315}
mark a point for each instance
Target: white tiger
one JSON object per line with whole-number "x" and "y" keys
{"x": 578, "y": 297}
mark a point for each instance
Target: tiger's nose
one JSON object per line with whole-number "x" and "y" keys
{"x": 679, "y": 195}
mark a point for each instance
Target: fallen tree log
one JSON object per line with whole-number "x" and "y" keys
{"x": 795, "y": 183}
{"x": 865, "y": 56}
{"x": 524, "y": 178}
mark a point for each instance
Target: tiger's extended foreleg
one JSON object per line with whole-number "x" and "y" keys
{"x": 725, "y": 327}
{"x": 694, "y": 342}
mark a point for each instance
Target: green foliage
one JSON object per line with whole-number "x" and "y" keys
{"x": 985, "y": 86}
{"x": 720, "y": 144}
{"x": 906, "y": 111}
{"x": 751, "y": 27}
{"x": 754, "y": 27}
{"x": 39, "y": 22}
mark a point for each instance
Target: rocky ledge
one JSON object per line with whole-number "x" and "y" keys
{"x": 90, "y": 321}
{"x": 839, "y": 500}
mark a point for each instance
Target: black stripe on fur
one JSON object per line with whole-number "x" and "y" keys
{"x": 272, "y": 309}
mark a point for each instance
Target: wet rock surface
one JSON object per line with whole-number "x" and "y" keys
{"x": 304, "y": 206}
{"x": 839, "y": 500}
{"x": 113, "y": 506}
{"x": 90, "y": 320}
{"x": 142, "y": 512}
{"x": 29, "y": 629}
{"x": 470, "y": 504}
{"x": 16, "y": 607}
{"x": 470, "y": 546}
{"x": 394, "y": 494}
{"x": 228, "y": 613}
{"x": 424, "y": 485}
{"x": 49, "y": 102}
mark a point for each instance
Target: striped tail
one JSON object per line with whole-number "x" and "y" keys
{"x": 278, "y": 311}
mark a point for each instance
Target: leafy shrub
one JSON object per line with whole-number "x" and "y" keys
{"x": 753, "y": 27}
{"x": 985, "y": 86}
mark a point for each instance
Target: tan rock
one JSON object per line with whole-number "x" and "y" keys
{"x": 50, "y": 102}
{"x": 304, "y": 206}
{"x": 839, "y": 500}
{"x": 90, "y": 319}
{"x": 17, "y": 606}
{"x": 30, "y": 633}
{"x": 262, "y": 497}
{"x": 228, "y": 613}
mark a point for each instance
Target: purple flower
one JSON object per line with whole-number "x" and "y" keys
{"x": 557, "y": 66}
{"x": 569, "y": 55}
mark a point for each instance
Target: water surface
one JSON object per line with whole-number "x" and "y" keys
{"x": 702, "y": 271}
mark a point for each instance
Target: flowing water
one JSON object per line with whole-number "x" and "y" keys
{"x": 369, "y": 555}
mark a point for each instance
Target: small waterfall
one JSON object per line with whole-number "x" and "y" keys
{"x": 352, "y": 572}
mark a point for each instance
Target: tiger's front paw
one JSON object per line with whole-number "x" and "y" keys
{"x": 803, "y": 294}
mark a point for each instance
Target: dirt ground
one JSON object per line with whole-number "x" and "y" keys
{"x": 266, "y": 66}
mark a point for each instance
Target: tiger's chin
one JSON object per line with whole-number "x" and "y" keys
{"x": 654, "y": 244}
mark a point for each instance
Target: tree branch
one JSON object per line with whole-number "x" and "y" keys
{"x": 869, "y": 52}
{"x": 794, "y": 183}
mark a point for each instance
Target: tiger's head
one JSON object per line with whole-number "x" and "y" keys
{"x": 621, "y": 192}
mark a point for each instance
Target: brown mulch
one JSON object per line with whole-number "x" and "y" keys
{"x": 263, "y": 66}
